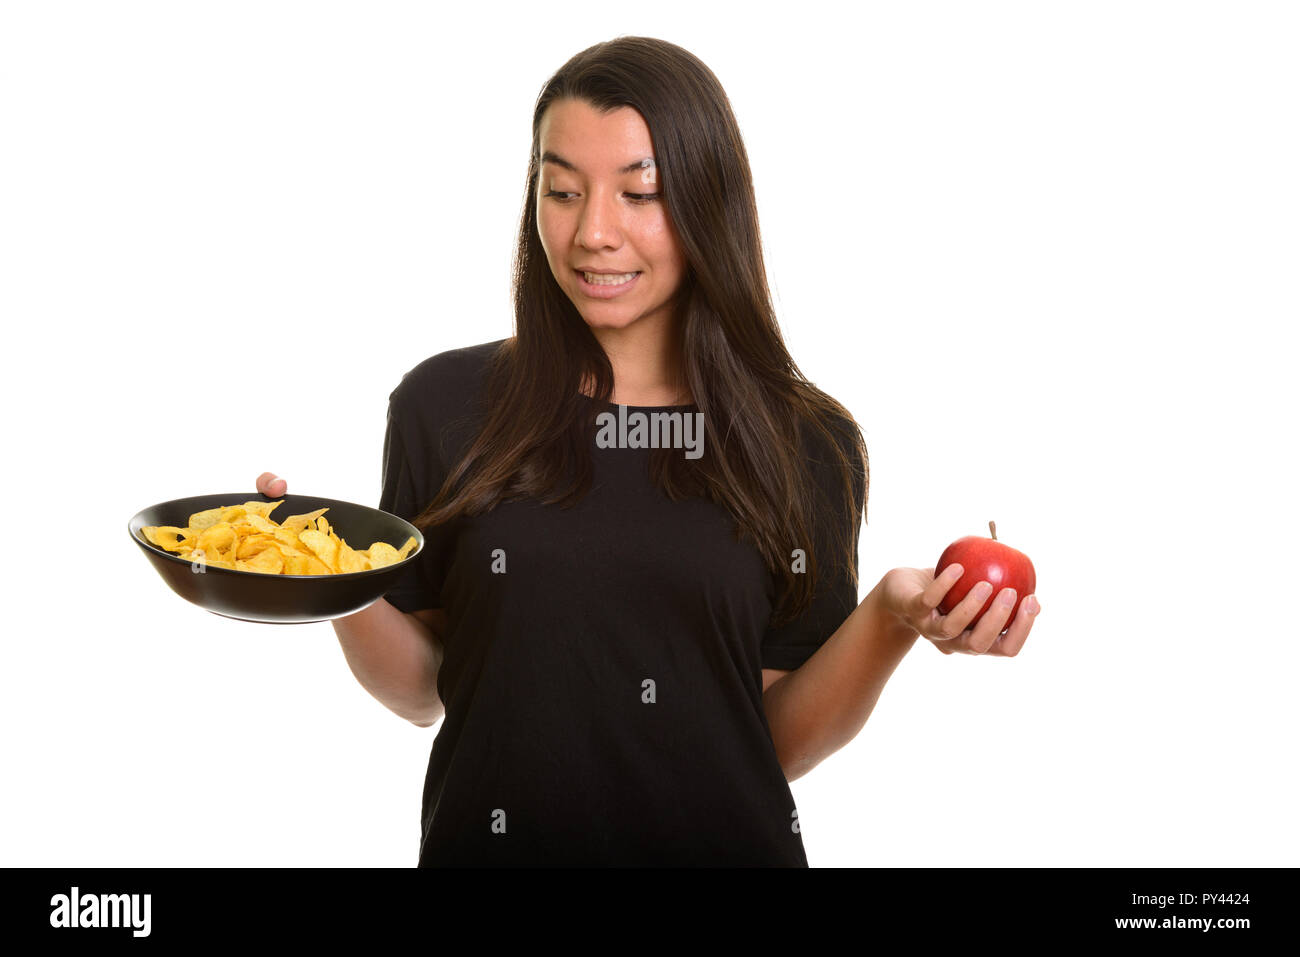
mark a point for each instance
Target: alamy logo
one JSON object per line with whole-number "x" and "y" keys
{"x": 658, "y": 430}
{"x": 101, "y": 910}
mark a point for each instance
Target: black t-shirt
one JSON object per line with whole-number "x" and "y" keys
{"x": 601, "y": 676}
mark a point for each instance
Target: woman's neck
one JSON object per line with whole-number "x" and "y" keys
{"x": 647, "y": 364}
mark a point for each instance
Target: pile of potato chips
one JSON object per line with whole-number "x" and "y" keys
{"x": 244, "y": 537}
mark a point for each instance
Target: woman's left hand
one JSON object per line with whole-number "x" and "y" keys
{"x": 913, "y": 595}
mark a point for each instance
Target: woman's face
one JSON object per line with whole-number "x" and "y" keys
{"x": 598, "y": 211}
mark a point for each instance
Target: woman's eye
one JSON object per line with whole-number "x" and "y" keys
{"x": 563, "y": 197}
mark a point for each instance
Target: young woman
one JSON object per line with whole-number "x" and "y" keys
{"x": 637, "y": 604}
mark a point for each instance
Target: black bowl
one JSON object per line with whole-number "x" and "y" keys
{"x": 279, "y": 599}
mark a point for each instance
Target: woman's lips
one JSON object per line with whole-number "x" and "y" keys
{"x": 605, "y": 290}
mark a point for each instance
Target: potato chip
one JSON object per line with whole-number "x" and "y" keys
{"x": 260, "y": 509}
{"x": 205, "y": 519}
{"x": 296, "y": 523}
{"x": 251, "y": 545}
{"x": 216, "y": 538}
{"x": 268, "y": 561}
{"x": 350, "y": 560}
{"x": 381, "y": 554}
{"x": 261, "y": 523}
{"x": 165, "y": 536}
{"x": 326, "y": 548}
{"x": 201, "y": 558}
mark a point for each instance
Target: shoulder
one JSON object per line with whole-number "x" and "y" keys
{"x": 444, "y": 377}
{"x": 818, "y": 431}
{"x": 843, "y": 429}
{"x": 831, "y": 443}
{"x": 440, "y": 399}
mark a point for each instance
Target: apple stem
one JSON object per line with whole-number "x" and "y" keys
{"x": 994, "y": 530}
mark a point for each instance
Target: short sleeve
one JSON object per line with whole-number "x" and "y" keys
{"x": 787, "y": 646}
{"x": 408, "y": 487}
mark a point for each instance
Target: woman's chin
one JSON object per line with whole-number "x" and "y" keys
{"x": 608, "y": 321}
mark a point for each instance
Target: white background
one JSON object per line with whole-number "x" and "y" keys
{"x": 1045, "y": 252}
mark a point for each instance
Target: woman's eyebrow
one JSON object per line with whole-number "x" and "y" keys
{"x": 646, "y": 163}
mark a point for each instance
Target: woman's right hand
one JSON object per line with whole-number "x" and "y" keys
{"x": 271, "y": 485}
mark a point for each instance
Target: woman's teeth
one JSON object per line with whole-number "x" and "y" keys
{"x": 597, "y": 279}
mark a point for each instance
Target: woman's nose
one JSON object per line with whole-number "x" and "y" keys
{"x": 598, "y": 225}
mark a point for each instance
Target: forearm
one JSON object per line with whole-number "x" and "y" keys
{"x": 821, "y": 706}
{"x": 396, "y": 658}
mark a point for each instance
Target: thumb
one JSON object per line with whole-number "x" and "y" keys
{"x": 270, "y": 485}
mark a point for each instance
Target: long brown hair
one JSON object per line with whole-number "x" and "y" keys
{"x": 760, "y": 412}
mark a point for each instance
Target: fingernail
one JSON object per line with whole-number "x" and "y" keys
{"x": 1008, "y": 598}
{"x": 983, "y": 590}
{"x": 1032, "y": 605}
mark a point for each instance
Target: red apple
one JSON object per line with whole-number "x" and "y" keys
{"x": 986, "y": 560}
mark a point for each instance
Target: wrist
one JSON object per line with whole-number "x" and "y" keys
{"x": 888, "y": 621}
